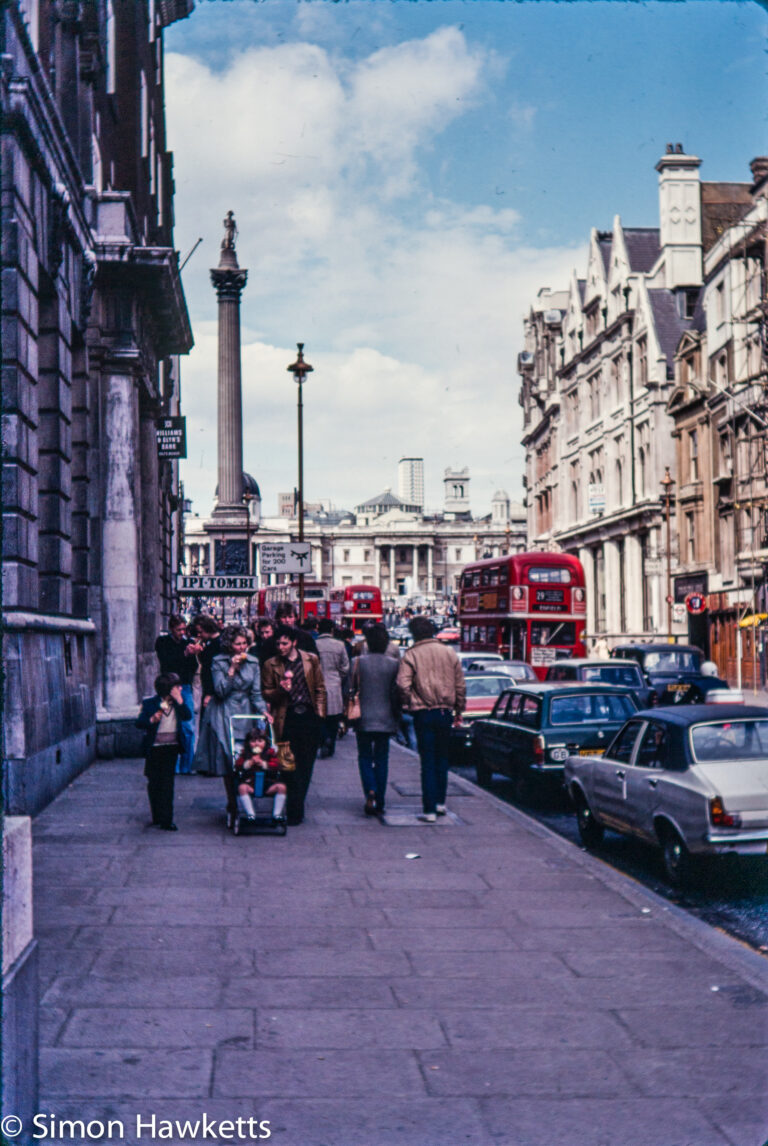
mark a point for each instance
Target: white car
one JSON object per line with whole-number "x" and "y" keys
{"x": 691, "y": 779}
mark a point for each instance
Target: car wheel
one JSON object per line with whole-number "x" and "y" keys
{"x": 483, "y": 773}
{"x": 591, "y": 830}
{"x": 677, "y": 859}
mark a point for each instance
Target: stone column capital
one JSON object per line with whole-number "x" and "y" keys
{"x": 229, "y": 282}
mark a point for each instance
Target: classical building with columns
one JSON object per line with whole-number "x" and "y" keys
{"x": 598, "y": 369}
{"x": 94, "y": 319}
{"x": 385, "y": 542}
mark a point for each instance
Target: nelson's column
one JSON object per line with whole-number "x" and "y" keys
{"x": 228, "y": 523}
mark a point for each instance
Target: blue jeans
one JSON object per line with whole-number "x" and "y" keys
{"x": 433, "y": 736}
{"x": 373, "y": 762}
{"x": 405, "y": 734}
{"x": 184, "y": 764}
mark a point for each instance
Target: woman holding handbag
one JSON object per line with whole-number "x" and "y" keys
{"x": 373, "y": 689}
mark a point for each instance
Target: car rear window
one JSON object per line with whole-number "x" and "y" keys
{"x": 587, "y": 708}
{"x": 486, "y": 685}
{"x": 730, "y": 741}
{"x": 612, "y": 674}
{"x": 672, "y": 660}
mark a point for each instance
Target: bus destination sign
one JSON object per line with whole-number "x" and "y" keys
{"x": 211, "y": 584}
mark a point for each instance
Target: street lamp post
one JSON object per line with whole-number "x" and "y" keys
{"x": 299, "y": 368}
{"x": 248, "y": 498}
{"x": 667, "y": 482}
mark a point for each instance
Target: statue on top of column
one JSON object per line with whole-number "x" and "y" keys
{"x": 230, "y": 227}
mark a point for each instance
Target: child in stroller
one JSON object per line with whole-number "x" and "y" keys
{"x": 257, "y": 774}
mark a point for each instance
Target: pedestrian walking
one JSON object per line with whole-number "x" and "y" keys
{"x": 165, "y": 719}
{"x": 374, "y": 678}
{"x": 294, "y": 688}
{"x": 433, "y": 689}
{"x": 208, "y": 632}
{"x": 335, "y": 665}
{"x": 177, "y": 652}
{"x": 236, "y": 682}
{"x": 265, "y": 645}
{"x": 286, "y": 614}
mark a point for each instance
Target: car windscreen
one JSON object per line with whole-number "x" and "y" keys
{"x": 612, "y": 674}
{"x": 672, "y": 660}
{"x": 584, "y": 708}
{"x": 730, "y": 740}
{"x": 486, "y": 685}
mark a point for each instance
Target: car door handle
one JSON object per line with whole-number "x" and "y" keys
{"x": 653, "y": 783}
{"x": 620, "y": 773}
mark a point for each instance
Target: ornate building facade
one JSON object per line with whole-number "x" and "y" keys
{"x": 598, "y": 370}
{"x": 94, "y": 320}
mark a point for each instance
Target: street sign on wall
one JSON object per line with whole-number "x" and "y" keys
{"x": 171, "y": 437}
{"x": 696, "y": 603}
{"x": 285, "y": 557}
{"x": 596, "y": 497}
{"x": 229, "y": 584}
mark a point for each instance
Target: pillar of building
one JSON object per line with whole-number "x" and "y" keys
{"x": 656, "y": 583}
{"x": 229, "y": 279}
{"x": 392, "y": 574}
{"x": 430, "y": 571}
{"x": 415, "y": 568}
{"x": 612, "y": 586}
{"x": 120, "y": 544}
{"x": 588, "y": 564}
{"x": 633, "y": 582}
{"x": 377, "y": 564}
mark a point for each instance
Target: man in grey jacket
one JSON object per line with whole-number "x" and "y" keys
{"x": 433, "y": 689}
{"x": 335, "y": 662}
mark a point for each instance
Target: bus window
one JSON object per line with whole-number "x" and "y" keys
{"x": 493, "y": 576}
{"x": 549, "y": 574}
{"x": 491, "y": 634}
{"x": 504, "y": 575}
{"x": 476, "y": 579}
{"x": 553, "y": 633}
{"x": 517, "y": 643}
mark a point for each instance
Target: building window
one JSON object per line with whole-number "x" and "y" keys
{"x": 111, "y": 35}
{"x": 693, "y": 455}
{"x": 345, "y": 555}
{"x": 720, "y": 303}
{"x": 458, "y": 554}
{"x": 690, "y": 538}
{"x": 144, "y": 113}
{"x": 593, "y": 389}
{"x": 642, "y": 361}
{"x": 366, "y": 555}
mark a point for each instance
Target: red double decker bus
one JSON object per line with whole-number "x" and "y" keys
{"x": 315, "y": 598}
{"x": 529, "y": 607}
{"x": 353, "y": 605}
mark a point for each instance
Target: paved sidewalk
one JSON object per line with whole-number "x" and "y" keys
{"x": 503, "y": 988}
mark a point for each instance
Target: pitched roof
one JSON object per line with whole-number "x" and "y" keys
{"x": 668, "y": 323}
{"x": 386, "y": 499}
{"x": 642, "y": 247}
{"x": 605, "y": 242}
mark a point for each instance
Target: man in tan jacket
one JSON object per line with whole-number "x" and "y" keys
{"x": 292, "y": 684}
{"x": 433, "y": 689}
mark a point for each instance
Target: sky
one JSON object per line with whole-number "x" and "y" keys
{"x": 405, "y": 176}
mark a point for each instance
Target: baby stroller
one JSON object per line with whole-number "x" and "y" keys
{"x": 242, "y": 824}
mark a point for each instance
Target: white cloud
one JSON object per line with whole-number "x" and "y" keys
{"x": 410, "y": 307}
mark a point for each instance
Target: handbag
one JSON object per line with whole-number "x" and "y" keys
{"x": 286, "y": 761}
{"x": 353, "y": 709}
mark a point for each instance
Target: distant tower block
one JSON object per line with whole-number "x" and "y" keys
{"x": 229, "y": 280}
{"x": 410, "y": 481}
{"x": 456, "y": 483}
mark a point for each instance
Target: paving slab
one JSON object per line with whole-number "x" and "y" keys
{"x": 503, "y": 988}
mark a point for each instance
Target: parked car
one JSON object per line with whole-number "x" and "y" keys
{"x": 448, "y": 636}
{"x": 534, "y": 727}
{"x": 467, "y": 659}
{"x": 691, "y": 780}
{"x": 483, "y": 690}
{"x": 673, "y": 671}
{"x": 625, "y": 673}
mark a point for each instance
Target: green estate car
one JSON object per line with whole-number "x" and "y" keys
{"x": 534, "y": 727}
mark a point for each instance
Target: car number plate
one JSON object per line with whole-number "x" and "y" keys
{"x": 677, "y": 687}
{"x": 591, "y": 751}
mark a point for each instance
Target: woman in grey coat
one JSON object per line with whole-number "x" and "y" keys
{"x": 236, "y": 692}
{"x": 373, "y": 682}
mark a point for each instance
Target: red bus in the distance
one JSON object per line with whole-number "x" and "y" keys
{"x": 315, "y": 598}
{"x": 353, "y": 605}
{"x": 528, "y": 607}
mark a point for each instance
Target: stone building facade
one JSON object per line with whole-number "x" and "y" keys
{"x": 94, "y": 319}
{"x": 720, "y": 415}
{"x": 385, "y": 542}
{"x": 597, "y": 370}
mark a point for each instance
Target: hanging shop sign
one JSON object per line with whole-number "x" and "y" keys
{"x": 171, "y": 437}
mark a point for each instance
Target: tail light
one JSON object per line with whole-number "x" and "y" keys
{"x": 539, "y": 748}
{"x": 719, "y": 817}
{"x": 653, "y": 698}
